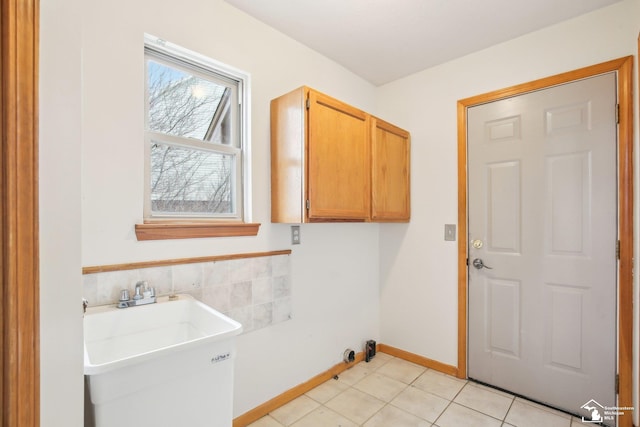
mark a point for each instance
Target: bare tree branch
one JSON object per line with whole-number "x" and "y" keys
{"x": 182, "y": 179}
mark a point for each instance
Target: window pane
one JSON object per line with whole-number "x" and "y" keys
{"x": 191, "y": 181}
{"x": 183, "y": 104}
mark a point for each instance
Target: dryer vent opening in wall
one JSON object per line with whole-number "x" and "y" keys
{"x": 349, "y": 356}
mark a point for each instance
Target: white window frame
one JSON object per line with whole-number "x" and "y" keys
{"x": 163, "y": 51}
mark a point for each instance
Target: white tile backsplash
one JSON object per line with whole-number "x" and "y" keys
{"x": 187, "y": 278}
{"x": 216, "y": 273}
{"x": 281, "y": 287}
{"x": 218, "y": 297}
{"x": 243, "y": 315}
{"x": 109, "y": 284}
{"x": 280, "y": 265}
{"x": 253, "y": 291}
{"x": 282, "y": 310}
{"x": 240, "y": 270}
{"x": 262, "y": 315}
{"x": 241, "y": 295}
{"x": 262, "y": 267}
{"x": 262, "y": 290}
{"x": 161, "y": 278}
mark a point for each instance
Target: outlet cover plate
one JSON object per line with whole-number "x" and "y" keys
{"x": 450, "y": 232}
{"x": 295, "y": 234}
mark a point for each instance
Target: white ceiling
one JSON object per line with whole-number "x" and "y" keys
{"x": 383, "y": 40}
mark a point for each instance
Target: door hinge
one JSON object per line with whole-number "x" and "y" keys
{"x": 618, "y": 113}
{"x": 618, "y": 249}
{"x": 617, "y": 384}
{"x": 308, "y": 103}
{"x": 308, "y": 204}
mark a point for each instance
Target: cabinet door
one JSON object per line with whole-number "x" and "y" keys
{"x": 338, "y": 181}
{"x": 390, "y": 178}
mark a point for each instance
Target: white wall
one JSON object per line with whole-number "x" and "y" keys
{"x": 91, "y": 135}
{"x": 113, "y": 91}
{"x": 335, "y": 288}
{"x": 61, "y": 380}
{"x": 418, "y": 268}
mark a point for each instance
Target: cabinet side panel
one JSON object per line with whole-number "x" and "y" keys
{"x": 287, "y": 157}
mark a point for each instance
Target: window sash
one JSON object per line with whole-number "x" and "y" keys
{"x": 186, "y": 143}
{"x": 233, "y": 85}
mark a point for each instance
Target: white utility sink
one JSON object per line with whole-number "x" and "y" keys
{"x": 115, "y": 337}
{"x": 163, "y": 364}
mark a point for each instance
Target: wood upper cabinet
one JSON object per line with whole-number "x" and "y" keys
{"x": 390, "y": 176}
{"x": 321, "y": 162}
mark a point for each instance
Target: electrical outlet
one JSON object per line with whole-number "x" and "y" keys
{"x": 295, "y": 234}
{"x": 369, "y": 350}
{"x": 450, "y": 232}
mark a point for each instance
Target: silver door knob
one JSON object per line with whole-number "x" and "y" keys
{"x": 477, "y": 263}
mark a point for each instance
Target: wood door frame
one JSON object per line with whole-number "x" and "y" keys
{"x": 624, "y": 69}
{"x": 19, "y": 253}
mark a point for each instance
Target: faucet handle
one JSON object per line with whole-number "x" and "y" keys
{"x": 124, "y": 295}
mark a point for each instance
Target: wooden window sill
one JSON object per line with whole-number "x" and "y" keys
{"x": 165, "y": 231}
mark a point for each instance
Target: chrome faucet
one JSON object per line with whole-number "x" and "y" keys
{"x": 144, "y": 294}
{"x": 140, "y": 286}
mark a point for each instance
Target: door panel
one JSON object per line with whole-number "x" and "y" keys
{"x": 563, "y": 334}
{"x": 542, "y": 202}
{"x": 568, "y": 204}
{"x": 503, "y": 207}
{"x": 503, "y": 317}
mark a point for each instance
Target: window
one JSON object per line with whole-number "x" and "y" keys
{"x": 196, "y": 145}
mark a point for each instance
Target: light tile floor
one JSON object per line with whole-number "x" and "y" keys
{"x": 391, "y": 392}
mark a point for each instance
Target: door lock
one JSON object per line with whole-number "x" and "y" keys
{"x": 477, "y": 243}
{"x": 477, "y": 263}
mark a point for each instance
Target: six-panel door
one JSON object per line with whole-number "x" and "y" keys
{"x": 543, "y": 222}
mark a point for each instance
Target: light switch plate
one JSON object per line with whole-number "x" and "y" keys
{"x": 295, "y": 234}
{"x": 450, "y": 232}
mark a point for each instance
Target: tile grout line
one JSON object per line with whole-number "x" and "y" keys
{"x": 375, "y": 370}
{"x": 411, "y": 384}
{"x": 385, "y": 403}
{"x": 504, "y": 421}
{"x": 368, "y": 372}
{"x": 450, "y": 402}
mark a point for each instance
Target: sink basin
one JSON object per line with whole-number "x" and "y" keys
{"x": 114, "y": 337}
{"x": 163, "y": 364}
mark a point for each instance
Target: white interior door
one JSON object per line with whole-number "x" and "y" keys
{"x": 543, "y": 216}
